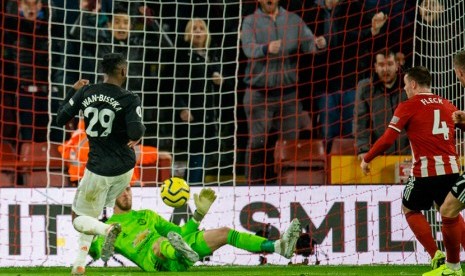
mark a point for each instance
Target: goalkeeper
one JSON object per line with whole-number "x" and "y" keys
{"x": 155, "y": 244}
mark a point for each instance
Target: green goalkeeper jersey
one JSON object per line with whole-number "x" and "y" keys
{"x": 140, "y": 229}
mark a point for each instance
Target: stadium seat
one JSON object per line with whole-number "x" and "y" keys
{"x": 303, "y": 177}
{"x": 33, "y": 156}
{"x": 151, "y": 175}
{"x": 8, "y": 157}
{"x": 343, "y": 146}
{"x": 300, "y": 162}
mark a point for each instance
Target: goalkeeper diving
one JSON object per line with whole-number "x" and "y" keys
{"x": 155, "y": 244}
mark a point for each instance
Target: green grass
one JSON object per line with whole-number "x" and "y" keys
{"x": 297, "y": 270}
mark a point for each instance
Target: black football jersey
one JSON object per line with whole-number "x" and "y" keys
{"x": 108, "y": 111}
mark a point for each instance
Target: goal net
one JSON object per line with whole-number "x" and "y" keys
{"x": 215, "y": 119}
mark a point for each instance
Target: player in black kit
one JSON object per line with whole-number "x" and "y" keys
{"x": 114, "y": 126}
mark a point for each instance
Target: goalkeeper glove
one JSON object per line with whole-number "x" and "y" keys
{"x": 203, "y": 202}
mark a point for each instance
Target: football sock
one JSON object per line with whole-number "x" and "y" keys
{"x": 454, "y": 266}
{"x": 462, "y": 222}
{"x": 84, "y": 245}
{"x": 452, "y": 235}
{"x": 89, "y": 225}
{"x": 167, "y": 250}
{"x": 422, "y": 230}
{"x": 249, "y": 242}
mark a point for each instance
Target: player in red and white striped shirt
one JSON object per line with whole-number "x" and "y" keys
{"x": 427, "y": 119}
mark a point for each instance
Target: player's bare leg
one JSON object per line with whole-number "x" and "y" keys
{"x": 86, "y": 226}
{"x": 79, "y": 266}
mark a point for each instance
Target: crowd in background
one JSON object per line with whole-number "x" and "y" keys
{"x": 194, "y": 91}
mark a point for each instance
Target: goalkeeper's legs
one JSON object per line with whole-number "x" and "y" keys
{"x": 174, "y": 247}
{"x": 285, "y": 246}
{"x": 183, "y": 250}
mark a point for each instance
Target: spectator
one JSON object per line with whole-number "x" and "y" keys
{"x": 435, "y": 26}
{"x": 142, "y": 53}
{"x": 271, "y": 37}
{"x": 120, "y": 37}
{"x": 83, "y": 38}
{"x": 397, "y": 33}
{"x": 377, "y": 98}
{"x": 26, "y": 53}
{"x": 198, "y": 75}
{"x": 335, "y": 72}
{"x": 430, "y": 11}
{"x": 117, "y": 37}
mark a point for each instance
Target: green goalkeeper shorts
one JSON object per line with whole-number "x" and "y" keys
{"x": 196, "y": 242}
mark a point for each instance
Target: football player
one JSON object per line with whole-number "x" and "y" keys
{"x": 113, "y": 124}
{"x": 155, "y": 244}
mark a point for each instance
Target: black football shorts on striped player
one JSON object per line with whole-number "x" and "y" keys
{"x": 421, "y": 192}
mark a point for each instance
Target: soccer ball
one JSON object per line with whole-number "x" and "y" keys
{"x": 175, "y": 192}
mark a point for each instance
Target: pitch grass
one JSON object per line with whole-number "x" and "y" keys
{"x": 311, "y": 270}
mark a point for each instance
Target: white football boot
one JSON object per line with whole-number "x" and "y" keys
{"x": 286, "y": 245}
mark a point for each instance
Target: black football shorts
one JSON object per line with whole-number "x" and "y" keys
{"x": 458, "y": 190}
{"x": 421, "y": 192}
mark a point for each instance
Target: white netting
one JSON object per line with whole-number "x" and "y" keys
{"x": 355, "y": 224}
{"x": 162, "y": 74}
{"x": 439, "y": 36}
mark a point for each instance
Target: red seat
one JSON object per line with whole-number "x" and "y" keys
{"x": 343, "y": 146}
{"x": 8, "y": 172}
{"x": 155, "y": 174}
{"x": 34, "y": 157}
{"x": 303, "y": 177}
{"x": 300, "y": 162}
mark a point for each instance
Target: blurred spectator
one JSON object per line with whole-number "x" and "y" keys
{"x": 83, "y": 38}
{"x": 198, "y": 76}
{"x": 430, "y": 11}
{"x": 397, "y": 33}
{"x": 142, "y": 51}
{"x": 271, "y": 39}
{"x": 120, "y": 37}
{"x": 377, "y": 98}
{"x": 176, "y": 14}
{"x": 438, "y": 33}
{"x": 26, "y": 52}
{"x": 158, "y": 51}
{"x": 335, "y": 72}
{"x": 431, "y": 33}
{"x": 222, "y": 19}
